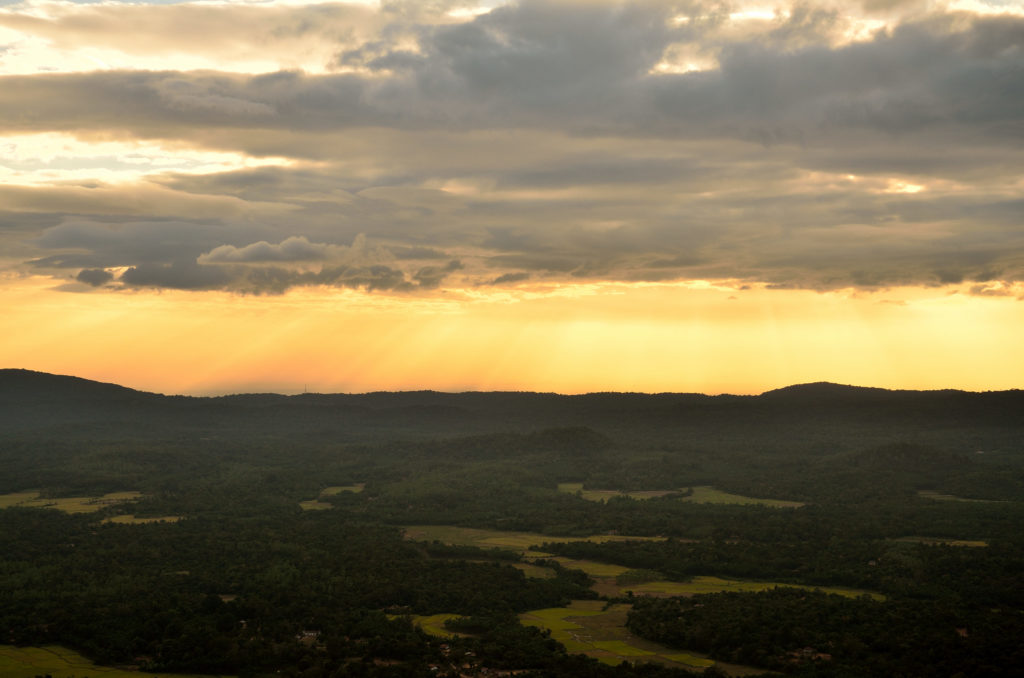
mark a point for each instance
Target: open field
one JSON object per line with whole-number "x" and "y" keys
{"x": 515, "y": 541}
{"x": 702, "y": 494}
{"x": 132, "y": 520}
{"x": 314, "y": 505}
{"x": 32, "y": 499}
{"x": 338, "y": 489}
{"x": 605, "y": 495}
{"x": 717, "y": 585}
{"x": 434, "y": 624}
{"x": 974, "y": 543}
{"x": 705, "y": 494}
{"x": 929, "y": 494}
{"x": 60, "y": 662}
{"x": 586, "y": 627}
{"x": 317, "y": 505}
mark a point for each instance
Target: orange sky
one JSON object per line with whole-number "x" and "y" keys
{"x": 211, "y": 196}
{"x": 652, "y": 338}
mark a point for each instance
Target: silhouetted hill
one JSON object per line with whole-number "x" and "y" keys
{"x": 822, "y": 414}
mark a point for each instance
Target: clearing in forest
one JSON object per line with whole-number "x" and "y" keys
{"x": 317, "y": 505}
{"x": 929, "y": 494}
{"x": 524, "y": 542}
{"x": 60, "y": 662}
{"x": 705, "y": 494}
{"x": 587, "y": 627}
{"x": 716, "y": 585}
{"x": 32, "y": 499}
{"x": 132, "y": 520}
{"x": 701, "y": 494}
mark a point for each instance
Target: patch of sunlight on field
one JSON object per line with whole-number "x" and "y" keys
{"x": 516, "y": 541}
{"x": 591, "y": 567}
{"x": 973, "y": 543}
{"x": 433, "y": 624}
{"x": 705, "y": 494}
{"x": 315, "y": 505}
{"x": 716, "y": 585}
{"x": 691, "y": 659}
{"x": 67, "y": 504}
{"x": 929, "y": 494}
{"x": 605, "y": 495}
{"x": 587, "y": 627}
{"x": 132, "y": 520}
{"x": 534, "y": 571}
{"x": 338, "y": 489}
{"x": 60, "y": 662}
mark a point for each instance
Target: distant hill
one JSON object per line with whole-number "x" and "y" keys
{"x": 40, "y": 404}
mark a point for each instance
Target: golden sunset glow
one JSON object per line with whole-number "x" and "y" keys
{"x": 208, "y": 197}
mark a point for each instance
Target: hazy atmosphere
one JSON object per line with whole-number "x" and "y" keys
{"x": 207, "y": 197}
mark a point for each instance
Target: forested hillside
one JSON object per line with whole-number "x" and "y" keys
{"x": 266, "y": 534}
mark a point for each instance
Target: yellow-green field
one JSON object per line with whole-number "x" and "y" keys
{"x": 59, "y": 662}
{"x": 974, "y": 543}
{"x": 132, "y": 520}
{"x": 314, "y": 505}
{"x": 338, "y": 489}
{"x": 317, "y": 505}
{"x": 586, "y": 627}
{"x": 929, "y": 494}
{"x": 705, "y": 494}
{"x": 702, "y": 494}
{"x": 434, "y": 624}
{"x": 605, "y": 495}
{"x": 66, "y": 504}
{"x": 515, "y": 541}
{"x": 717, "y": 585}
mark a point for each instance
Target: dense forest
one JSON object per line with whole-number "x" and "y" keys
{"x": 916, "y": 497}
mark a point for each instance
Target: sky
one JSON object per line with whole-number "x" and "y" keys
{"x": 560, "y": 195}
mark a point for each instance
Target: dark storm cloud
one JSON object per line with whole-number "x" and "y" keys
{"x": 94, "y": 276}
{"x": 540, "y": 140}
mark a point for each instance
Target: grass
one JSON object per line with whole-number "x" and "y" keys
{"x": 315, "y": 505}
{"x": 338, "y": 489}
{"x": 587, "y": 627}
{"x": 974, "y": 543}
{"x": 605, "y": 495}
{"x": 929, "y": 494}
{"x": 67, "y": 504}
{"x": 434, "y": 624}
{"x": 514, "y": 541}
{"x": 705, "y": 494}
{"x": 132, "y": 520}
{"x": 60, "y": 662}
{"x": 716, "y": 585}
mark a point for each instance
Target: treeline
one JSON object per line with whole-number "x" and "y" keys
{"x": 816, "y": 634}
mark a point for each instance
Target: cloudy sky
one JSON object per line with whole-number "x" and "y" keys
{"x": 562, "y": 195}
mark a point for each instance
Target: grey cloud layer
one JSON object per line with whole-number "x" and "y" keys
{"x": 536, "y": 142}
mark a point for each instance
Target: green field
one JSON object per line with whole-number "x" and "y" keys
{"x": 605, "y": 495}
{"x": 315, "y": 505}
{"x": 59, "y": 662}
{"x": 974, "y": 543}
{"x": 705, "y": 494}
{"x": 702, "y": 494}
{"x": 338, "y": 489}
{"x": 717, "y": 585}
{"x": 132, "y": 520}
{"x": 434, "y": 624}
{"x": 929, "y": 494}
{"x": 586, "y": 627}
{"x": 32, "y": 499}
{"x": 514, "y": 541}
